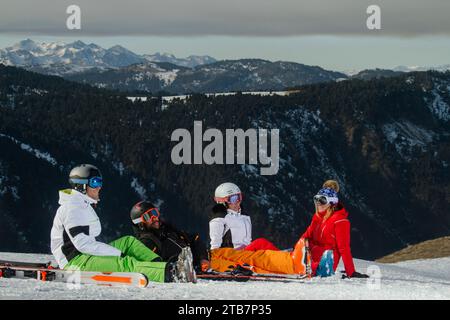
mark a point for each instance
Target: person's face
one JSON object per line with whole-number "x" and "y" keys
{"x": 322, "y": 207}
{"x": 93, "y": 193}
{"x": 154, "y": 224}
{"x": 235, "y": 206}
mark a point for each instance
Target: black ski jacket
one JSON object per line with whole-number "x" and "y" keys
{"x": 167, "y": 242}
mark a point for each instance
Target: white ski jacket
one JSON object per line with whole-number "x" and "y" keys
{"x": 238, "y": 224}
{"x": 75, "y": 227}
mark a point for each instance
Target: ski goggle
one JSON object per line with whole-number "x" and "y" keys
{"x": 94, "y": 182}
{"x": 323, "y": 200}
{"x": 234, "y": 198}
{"x": 319, "y": 199}
{"x": 150, "y": 215}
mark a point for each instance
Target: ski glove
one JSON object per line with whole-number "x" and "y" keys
{"x": 356, "y": 275}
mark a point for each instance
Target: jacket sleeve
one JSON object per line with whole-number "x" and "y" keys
{"x": 309, "y": 230}
{"x": 216, "y": 232}
{"x": 249, "y": 230}
{"x": 77, "y": 227}
{"x": 149, "y": 242}
{"x": 342, "y": 231}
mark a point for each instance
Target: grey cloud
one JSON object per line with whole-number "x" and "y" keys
{"x": 231, "y": 17}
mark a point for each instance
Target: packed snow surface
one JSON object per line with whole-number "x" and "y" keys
{"x": 418, "y": 279}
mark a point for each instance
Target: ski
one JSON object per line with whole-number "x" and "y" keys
{"x": 73, "y": 278}
{"x": 226, "y": 276}
{"x": 25, "y": 264}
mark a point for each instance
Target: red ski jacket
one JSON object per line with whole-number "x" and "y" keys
{"x": 331, "y": 234}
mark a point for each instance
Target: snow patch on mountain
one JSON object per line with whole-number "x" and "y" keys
{"x": 36, "y": 152}
{"x": 119, "y": 166}
{"x": 138, "y": 188}
{"x": 406, "y": 137}
{"x": 167, "y": 76}
{"x": 410, "y": 80}
{"x": 438, "y": 106}
{"x": 8, "y": 183}
{"x": 189, "y": 62}
{"x": 302, "y": 125}
{"x": 139, "y": 99}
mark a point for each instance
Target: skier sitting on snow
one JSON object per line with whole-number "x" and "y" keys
{"x": 329, "y": 234}
{"x": 261, "y": 261}
{"x": 230, "y": 233}
{"x": 228, "y": 227}
{"x": 164, "y": 239}
{"x": 76, "y": 226}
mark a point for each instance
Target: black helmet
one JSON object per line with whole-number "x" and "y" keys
{"x": 85, "y": 175}
{"x": 143, "y": 207}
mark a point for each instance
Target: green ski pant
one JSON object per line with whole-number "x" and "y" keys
{"x": 137, "y": 259}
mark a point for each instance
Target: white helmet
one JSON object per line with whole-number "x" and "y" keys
{"x": 225, "y": 190}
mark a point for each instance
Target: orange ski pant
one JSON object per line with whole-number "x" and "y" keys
{"x": 262, "y": 261}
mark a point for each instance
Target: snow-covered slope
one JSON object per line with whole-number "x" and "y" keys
{"x": 419, "y": 279}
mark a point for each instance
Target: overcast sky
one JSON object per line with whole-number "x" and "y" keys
{"x": 330, "y": 33}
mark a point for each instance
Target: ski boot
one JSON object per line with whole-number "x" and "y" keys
{"x": 325, "y": 268}
{"x": 182, "y": 270}
{"x": 299, "y": 257}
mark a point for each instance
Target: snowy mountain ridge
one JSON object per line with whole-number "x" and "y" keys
{"x": 60, "y": 58}
{"x": 399, "y": 69}
{"x": 220, "y": 76}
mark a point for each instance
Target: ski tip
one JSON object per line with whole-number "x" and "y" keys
{"x": 143, "y": 282}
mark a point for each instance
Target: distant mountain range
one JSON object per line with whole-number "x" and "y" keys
{"x": 441, "y": 68}
{"x": 121, "y": 69}
{"x": 58, "y": 58}
{"x": 398, "y": 69}
{"x": 221, "y": 76}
